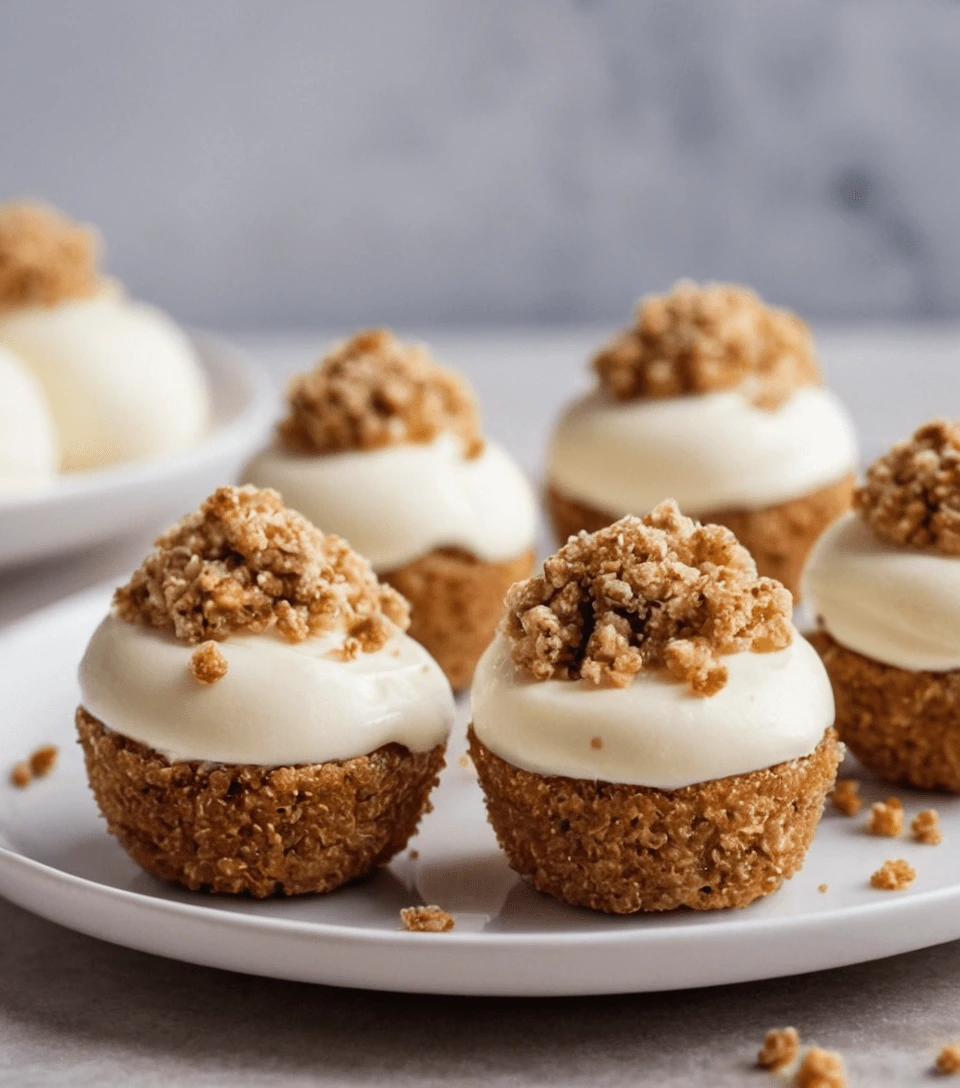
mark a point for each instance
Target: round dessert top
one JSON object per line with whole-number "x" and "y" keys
{"x": 373, "y": 391}
{"x": 245, "y": 563}
{"x": 911, "y": 495}
{"x": 704, "y": 339}
{"x": 656, "y": 592}
{"x": 45, "y": 258}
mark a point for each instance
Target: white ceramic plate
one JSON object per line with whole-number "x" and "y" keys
{"x": 57, "y": 859}
{"x": 87, "y": 507}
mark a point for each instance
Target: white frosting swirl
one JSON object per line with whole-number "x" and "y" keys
{"x": 709, "y": 452}
{"x": 774, "y": 707}
{"x": 398, "y": 503}
{"x": 895, "y": 604}
{"x": 280, "y": 703}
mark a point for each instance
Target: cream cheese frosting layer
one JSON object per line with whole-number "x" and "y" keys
{"x": 709, "y": 452}
{"x": 29, "y": 450}
{"x": 898, "y": 605}
{"x": 123, "y": 382}
{"x": 774, "y": 707}
{"x": 280, "y": 703}
{"x": 398, "y": 503}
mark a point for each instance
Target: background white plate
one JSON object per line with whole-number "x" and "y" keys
{"x": 57, "y": 860}
{"x": 86, "y": 507}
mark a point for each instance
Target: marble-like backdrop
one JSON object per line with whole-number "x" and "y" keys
{"x": 472, "y": 161}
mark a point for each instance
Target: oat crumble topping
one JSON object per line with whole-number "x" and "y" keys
{"x": 45, "y": 258}
{"x": 246, "y": 563}
{"x": 426, "y": 920}
{"x": 821, "y": 1069}
{"x": 656, "y": 592}
{"x": 846, "y": 796}
{"x": 372, "y": 391}
{"x": 207, "y": 663}
{"x": 886, "y": 818}
{"x": 703, "y": 339}
{"x": 911, "y": 495}
{"x": 780, "y": 1048}
{"x": 948, "y": 1060}
{"x": 893, "y": 876}
{"x": 926, "y": 827}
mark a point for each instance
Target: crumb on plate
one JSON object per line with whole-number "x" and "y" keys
{"x": 821, "y": 1069}
{"x": 948, "y": 1060}
{"x": 430, "y": 919}
{"x": 894, "y": 875}
{"x": 780, "y": 1048}
{"x": 886, "y": 818}
{"x": 926, "y": 827}
{"x": 846, "y": 796}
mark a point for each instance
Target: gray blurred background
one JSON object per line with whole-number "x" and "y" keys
{"x": 465, "y": 162}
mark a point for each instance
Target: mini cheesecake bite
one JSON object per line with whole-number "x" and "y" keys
{"x": 254, "y": 718}
{"x": 649, "y": 729}
{"x": 884, "y": 583}
{"x": 716, "y": 399}
{"x": 121, "y": 381}
{"x": 384, "y": 447}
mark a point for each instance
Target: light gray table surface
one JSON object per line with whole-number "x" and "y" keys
{"x": 76, "y": 1011}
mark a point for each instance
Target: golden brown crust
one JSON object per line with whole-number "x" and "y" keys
{"x": 660, "y": 591}
{"x": 429, "y": 919}
{"x": 699, "y": 339}
{"x": 900, "y": 724}
{"x": 780, "y": 1049}
{"x": 456, "y": 602}
{"x": 911, "y": 495}
{"x": 372, "y": 391}
{"x": 257, "y": 830}
{"x": 621, "y": 849}
{"x": 778, "y": 537}
{"x": 895, "y": 875}
{"x": 244, "y": 562}
{"x": 45, "y": 258}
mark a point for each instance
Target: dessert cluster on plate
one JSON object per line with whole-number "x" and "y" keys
{"x": 266, "y": 707}
{"x": 88, "y": 378}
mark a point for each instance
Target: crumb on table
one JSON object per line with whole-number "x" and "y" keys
{"x": 426, "y": 920}
{"x": 821, "y": 888}
{"x": 414, "y": 855}
{"x": 43, "y": 760}
{"x": 780, "y": 1048}
{"x": 821, "y": 1069}
{"x": 21, "y": 776}
{"x": 926, "y": 827}
{"x": 948, "y": 1060}
{"x": 846, "y": 796}
{"x": 886, "y": 818}
{"x": 893, "y": 876}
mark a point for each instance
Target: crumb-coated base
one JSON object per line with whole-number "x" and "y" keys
{"x": 778, "y": 537}
{"x": 456, "y": 602}
{"x": 902, "y": 725}
{"x": 621, "y": 849}
{"x": 257, "y": 830}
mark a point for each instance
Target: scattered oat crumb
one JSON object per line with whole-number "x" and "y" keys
{"x": 43, "y": 760}
{"x": 426, "y": 920}
{"x": 893, "y": 876}
{"x": 414, "y": 855}
{"x": 822, "y": 888}
{"x": 244, "y": 562}
{"x": 660, "y": 591}
{"x": 21, "y": 776}
{"x": 702, "y": 338}
{"x": 596, "y": 743}
{"x": 886, "y": 818}
{"x": 948, "y": 1060}
{"x": 372, "y": 391}
{"x": 846, "y": 796}
{"x": 207, "y": 663}
{"x": 821, "y": 1069}
{"x": 780, "y": 1047}
{"x": 464, "y": 761}
{"x": 926, "y": 827}
{"x": 909, "y": 494}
